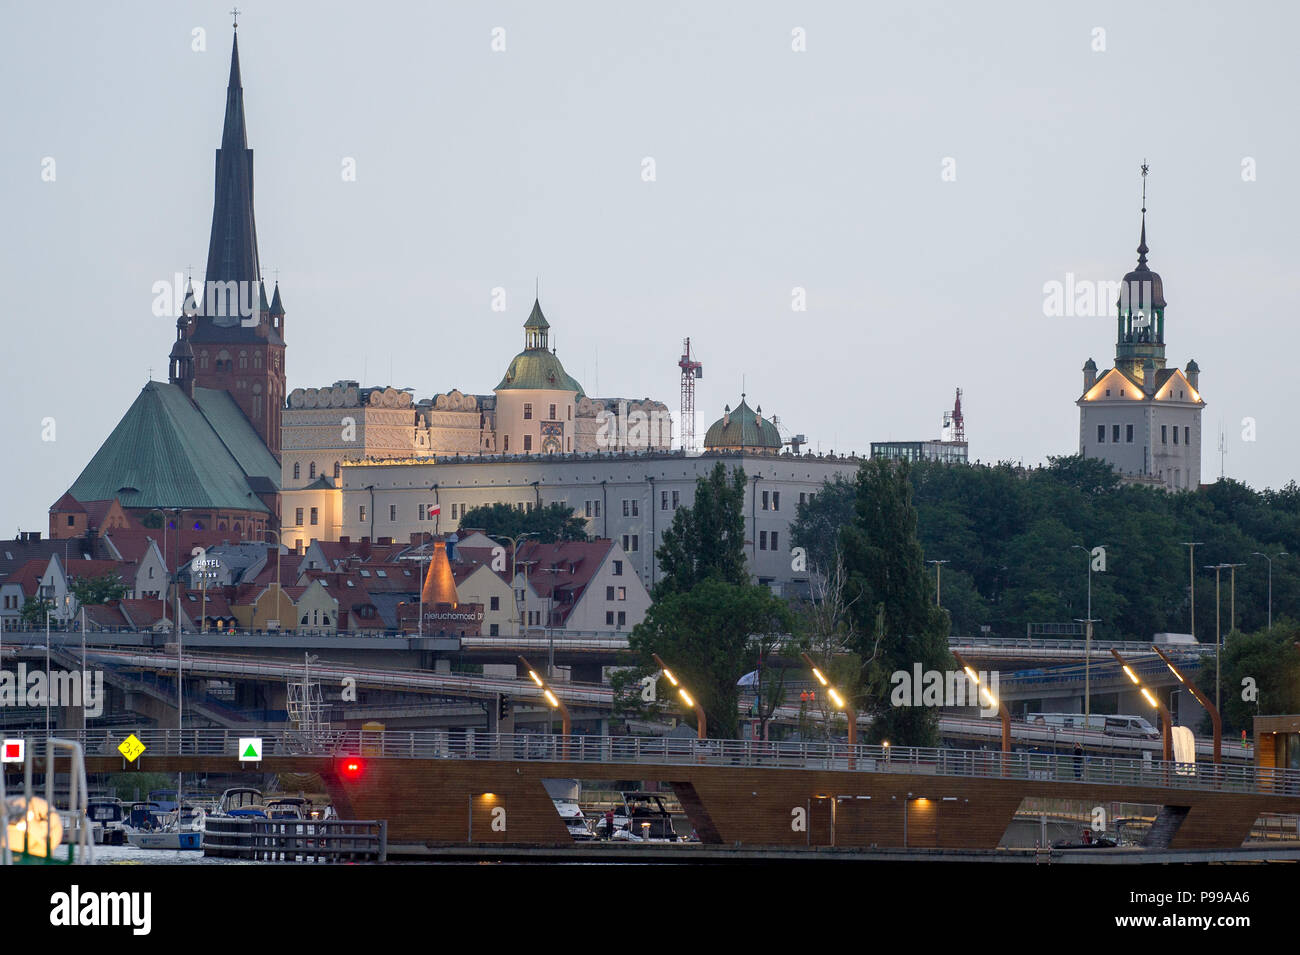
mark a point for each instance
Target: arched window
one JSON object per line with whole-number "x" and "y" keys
{"x": 243, "y": 360}
{"x": 203, "y": 360}
{"x": 297, "y": 470}
{"x": 311, "y": 471}
{"x": 257, "y": 360}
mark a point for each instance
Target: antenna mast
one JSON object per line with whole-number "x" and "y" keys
{"x": 954, "y": 419}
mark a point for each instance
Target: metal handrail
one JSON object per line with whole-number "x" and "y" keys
{"x": 443, "y": 744}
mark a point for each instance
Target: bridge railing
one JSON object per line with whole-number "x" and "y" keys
{"x": 450, "y": 744}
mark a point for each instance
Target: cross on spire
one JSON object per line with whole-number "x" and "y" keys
{"x": 235, "y": 13}
{"x": 1145, "y": 168}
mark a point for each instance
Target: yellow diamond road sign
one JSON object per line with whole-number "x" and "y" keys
{"x": 131, "y": 748}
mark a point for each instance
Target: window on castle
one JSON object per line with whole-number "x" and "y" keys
{"x": 1114, "y": 433}
{"x": 1164, "y": 434}
{"x": 298, "y": 517}
{"x": 1175, "y": 434}
{"x": 762, "y": 540}
{"x": 392, "y": 512}
{"x": 1128, "y": 433}
{"x": 528, "y": 410}
{"x": 257, "y": 360}
{"x": 552, "y": 417}
{"x": 505, "y": 442}
{"x": 338, "y": 471}
{"x": 243, "y": 360}
{"x": 311, "y": 470}
{"x": 297, "y": 470}
{"x": 315, "y": 515}
{"x": 1187, "y": 434}
{"x": 528, "y": 442}
{"x": 1101, "y": 434}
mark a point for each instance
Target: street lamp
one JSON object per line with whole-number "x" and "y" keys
{"x": 1191, "y": 578}
{"x": 1201, "y": 698}
{"x": 701, "y": 722}
{"x": 938, "y": 578}
{"x": 555, "y": 703}
{"x": 1166, "y": 729}
{"x": 840, "y": 703}
{"x": 1003, "y": 713}
{"x": 514, "y": 552}
{"x": 1280, "y": 553}
{"x": 279, "y": 592}
{"x": 1087, "y": 640}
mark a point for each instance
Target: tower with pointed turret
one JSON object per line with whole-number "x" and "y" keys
{"x": 235, "y": 336}
{"x": 1140, "y": 416}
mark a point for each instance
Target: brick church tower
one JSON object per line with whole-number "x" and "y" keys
{"x": 236, "y": 337}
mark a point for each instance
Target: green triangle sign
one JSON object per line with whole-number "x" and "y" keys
{"x": 251, "y": 752}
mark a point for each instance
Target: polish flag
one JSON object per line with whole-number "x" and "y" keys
{"x": 434, "y": 509}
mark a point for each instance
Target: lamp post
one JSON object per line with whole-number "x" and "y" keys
{"x": 514, "y": 553}
{"x": 1280, "y": 553}
{"x": 566, "y": 724}
{"x": 1201, "y": 698}
{"x": 279, "y": 591}
{"x": 1166, "y": 729}
{"x": 701, "y": 722}
{"x": 1087, "y": 639}
{"x": 938, "y": 579}
{"x": 1191, "y": 578}
{"x": 420, "y": 559}
{"x": 1003, "y": 713}
{"x": 1232, "y": 591}
{"x": 840, "y": 702}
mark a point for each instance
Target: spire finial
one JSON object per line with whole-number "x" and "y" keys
{"x": 235, "y": 13}
{"x": 1142, "y": 249}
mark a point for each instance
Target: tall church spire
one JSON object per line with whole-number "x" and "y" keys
{"x": 232, "y": 247}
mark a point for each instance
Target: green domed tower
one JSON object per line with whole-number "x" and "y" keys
{"x": 744, "y": 429}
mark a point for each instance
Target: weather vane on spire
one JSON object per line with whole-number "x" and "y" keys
{"x": 1145, "y": 169}
{"x": 235, "y": 13}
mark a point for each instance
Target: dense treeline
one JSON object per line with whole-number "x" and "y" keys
{"x": 1008, "y": 536}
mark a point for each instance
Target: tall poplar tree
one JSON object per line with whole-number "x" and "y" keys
{"x": 896, "y": 622}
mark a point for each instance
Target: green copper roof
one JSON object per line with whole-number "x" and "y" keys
{"x": 742, "y": 428}
{"x": 536, "y": 319}
{"x": 537, "y": 368}
{"x": 169, "y": 452}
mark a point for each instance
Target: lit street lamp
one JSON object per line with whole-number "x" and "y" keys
{"x": 701, "y": 722}
{"x": 1201, "y": 698}
{"x": 554, "y": 701}
{"x": 1166, "y": 721}
{"x": 840, "y": 703}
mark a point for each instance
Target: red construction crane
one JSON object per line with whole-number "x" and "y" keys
{"x": 690, "y": 371}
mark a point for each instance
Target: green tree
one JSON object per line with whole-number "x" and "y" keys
{"x": 1260, "y": 674}
{"x": 89, "y": 591}
{"x": 895, "y": 621}
{"x": 711, "y": 635}
{"x": 706, "y": 541}
{"x": 34, "y": 611}
{"x": 554, "y": 522}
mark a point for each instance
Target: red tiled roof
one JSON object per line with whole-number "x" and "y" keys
{"x": 217, "y": 606}
{"x": 104, "y": 615}
{"x": 77, "y": 567}
{"x": 575, "y": 563}
{"x": 143, "y": 613}
{"x": 28, "y": 576}
{"x": 67, "y": 505}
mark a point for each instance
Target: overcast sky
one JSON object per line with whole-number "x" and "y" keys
{"x": 821, "y": 169}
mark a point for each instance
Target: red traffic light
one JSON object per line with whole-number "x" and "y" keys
{"x": 351, "y": 768}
